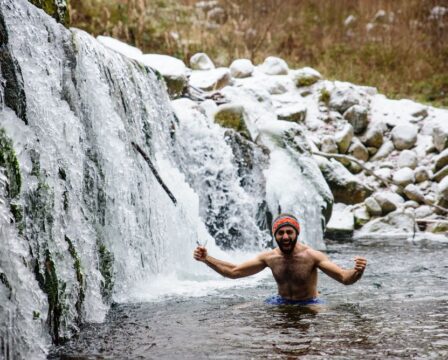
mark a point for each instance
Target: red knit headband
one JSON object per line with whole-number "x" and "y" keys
{"x": 285, "y": 220}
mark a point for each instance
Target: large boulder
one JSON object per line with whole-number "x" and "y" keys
{"x": 346, "y": 188}
{"x": 344, "y": 137}
{"x": 397, "y": 222}
{"x": 373, "y": 207}
{"x": 341, "y": 224}
{"x": 404, "y": 136}
{"x": 209, "y": 80}
{"x": 173, "y": 70}
{"x": 388, "y": 201}
{"x": 440, "y": 136}
{"x": 305, "y": 76}
{"x": 274, "y": 66}
{"x": 201, "y": 61}
{"x": 441, "y": 160}
{"x": 231, "y": 116}
{"x": 357, "y": 116}
{"x": 241, "y": 68}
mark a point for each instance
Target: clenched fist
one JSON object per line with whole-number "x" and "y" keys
{"x": 360, "y": 263}
{"x": 200, "y": 253}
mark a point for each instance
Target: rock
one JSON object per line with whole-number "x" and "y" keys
{"x": 384, "y": 173}
{"x": 421, "y": 174}
{"x": 443, "y": 188}
{"x": 210, "y": 80}
{"x": 384, "y": 151}
{"x": 57, "y": 9}
{"x": 329, "y": 145}
{"x": 404, "y": 176}
{"x": 441, "y": 160}
{"x": 358, "y": 150}
{"x": 423, "y": 211}
{"x": 373, "y": 207}
{"x": 274, "y": 66}
{"x": 201, "y": 61}
{"x": 305, "y": 76}
{"x": 341, "y": 224}
{"x": 438, "y": 227}
{"x": 372, "y": 150}
{"x": 346, "y": 188}
{"x": 373, "y": 136}
{"x": 295, "y": 112}
{"x": 232, "y": 116}
{"x": 412, "y": 192}
{"x": 361, "y": 216}
{"x": 344, "y": 137}
{"x": 441, "y": 174}
{"x": 440, "y": 136}
{"x": 241, "y": 68}
{"x": 411, "y": 204}
{"x": 276, "y": 87}
{"x": 407, "y": 158}
{"x": 343, "y": 98}
{"x": 357, "y": 116}
{"x": 173, "y": 70}
{"x": 397, "y": 222}
{"x": 404, "y": 136}
{"x": 388, "y": 201}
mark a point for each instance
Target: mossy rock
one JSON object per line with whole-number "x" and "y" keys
{"x": 58, "y": 9}
{"x": 8, "y": 160}
{"x": 106, "y": 262}
{"x": 232, "y": 117}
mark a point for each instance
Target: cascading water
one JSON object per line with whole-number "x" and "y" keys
{"x": 82, "y": 220}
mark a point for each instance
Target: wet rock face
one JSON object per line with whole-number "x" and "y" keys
{"x": 57, "y": 9}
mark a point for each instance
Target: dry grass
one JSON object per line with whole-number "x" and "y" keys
{"x": 404, "y": 53}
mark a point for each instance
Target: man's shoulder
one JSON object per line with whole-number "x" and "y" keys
{"x": 312, "y": 253}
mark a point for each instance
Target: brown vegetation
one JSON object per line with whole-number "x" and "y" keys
{"x": 403, "y": 51}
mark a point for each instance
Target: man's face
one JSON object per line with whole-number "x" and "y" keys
{"x": 286, "y": 238}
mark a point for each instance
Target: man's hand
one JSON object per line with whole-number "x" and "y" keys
{"x": 360, "y": 264}
{"x": 200, "y": 253}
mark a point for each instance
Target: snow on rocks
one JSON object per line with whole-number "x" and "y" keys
{"x": 274, "y": 66}
{"x": 440, "y": 136}
{"x": 295, "y": 112}
{"x": 209, "y": 80}
{"x": 201, "y": 61}
{"x": 421, "y": 174}
{"x": 328, "y": 145}
{"x": 357, "y": 116}
{"x": 374, "y": 136}
{"x": 388, "y": 201}
{"x": 344, "y": 137}
{"x": 232, "y": 116}
{"x": 407, "y": 158}
{"x": 358, "y": 150}
{"x": 397, "y": 222}
{"x": 443, "y": 188}
{"x": 404, "y": 136}
{"x": 341, "y": 224}
{"x": 241, "y": 68}
{"x": 173, "y": 70}
{"x": 412, "y": 192}
{"x": 373, "y": 207}
{"x": 120, "y": 47}
{"x": 305, "y": 77}
{"x": 441, "y": 160}
{"x": 384, "y": 151}
{"x": 441, "y": 174}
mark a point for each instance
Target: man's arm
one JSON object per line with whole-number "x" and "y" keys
{"x": 344, "y": 276}
{"x": 227, "y": 269}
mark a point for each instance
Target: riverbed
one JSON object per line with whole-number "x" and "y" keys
{"x": 399, "y": 309}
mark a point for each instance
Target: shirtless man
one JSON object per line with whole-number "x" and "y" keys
{"x": 294, "y": 266}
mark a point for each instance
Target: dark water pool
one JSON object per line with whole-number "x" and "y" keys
{"x": 398, "y": 310}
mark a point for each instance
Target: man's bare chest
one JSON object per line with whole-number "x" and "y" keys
{"x": 297, "y": 270}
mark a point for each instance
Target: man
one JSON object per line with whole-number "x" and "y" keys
{"x": 293, "y": 265}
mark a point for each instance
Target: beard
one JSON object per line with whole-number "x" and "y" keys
{"x": 290, "y": 249}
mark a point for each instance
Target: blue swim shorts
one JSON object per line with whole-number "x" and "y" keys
{"x": 278, "y": 300}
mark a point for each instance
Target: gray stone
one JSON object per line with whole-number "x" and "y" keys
{"x": 372, "y": 150}
{"x": 384, "y": 151}
{"x": 423, "y": 211}
{"x": 357, "y": 116}
{"x": 341, "y": 224}
{"x": 373, "y": 136}
{"x": 305, "y": 76}
{"x": 421, "y": 174}
{"x": 358, "y": 150}
{"x": 201, "y": 61}
{"x": 344, "y": 137}
{"x": 404, "y": 136}
{"x": 295, "y": 112}
{"x": 411, "y": 204}
{"x": 346, "y": 188}
{"x": 329, "y": 145}
{"x": 441, "y": 174}
{"x": 343, "y": 98}
{"x": 361, "y": 216}
{"x": 209, "y": 80}
{"x": 404, "y": 176}
{"x": 412, "y": 192}
{"x": 388, "y": 201}
{"x": 441, "y": 160}
{"x": 384, "y": 173}
{"x": 241, "y": 68}
{"x": 407, "y": 158}
{"x": 274, "y": 66}
{"x": 373, "y": 207}
{"x": 440, "y": 136}
{"x": 397, "y": 222}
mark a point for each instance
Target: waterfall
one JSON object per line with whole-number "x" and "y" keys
{"x": 82, "y": 217}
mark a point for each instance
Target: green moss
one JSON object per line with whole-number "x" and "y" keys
{"x": 324, "y": 96}
{"x": 79, "y": 276}
{"x": 306, "y": 80}
{"x": 58, "y": 9}
{"x": 232, "y": 119}
{"x": 106, "y": 261}
{"x": 17, "y": 212}
{"x": 4, "y": 281}
{"x": 8, "y": 160}
{"x": 36, "y": 315}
